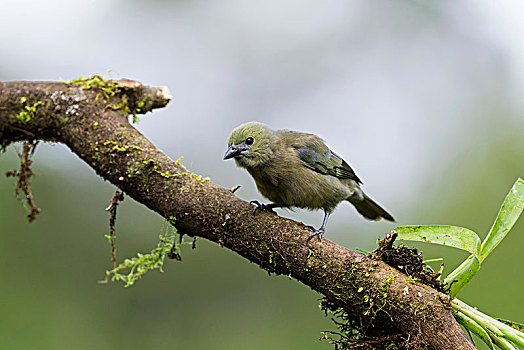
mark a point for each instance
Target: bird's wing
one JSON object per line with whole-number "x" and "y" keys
{"x": 317, "y": 156}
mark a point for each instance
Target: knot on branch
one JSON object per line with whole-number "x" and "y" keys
{"x": 407, "y": 260}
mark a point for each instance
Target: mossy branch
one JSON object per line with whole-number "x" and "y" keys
{"x": 90, "y": 116}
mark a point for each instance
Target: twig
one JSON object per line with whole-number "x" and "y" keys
{"x": 24, "y": 175}
{"x": 118, "y": 197}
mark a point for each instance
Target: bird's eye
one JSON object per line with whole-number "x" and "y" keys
{"x": 249, "y": 141}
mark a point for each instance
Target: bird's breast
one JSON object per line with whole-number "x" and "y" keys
{"x": 294, "y": 185}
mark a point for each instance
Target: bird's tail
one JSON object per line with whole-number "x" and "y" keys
{"x": 369, "y": 209}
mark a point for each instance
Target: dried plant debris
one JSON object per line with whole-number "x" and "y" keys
{"x": 354, "y": 332}
{"x": 24, "y": 175}
{"x": 111, "y": 237}
{"x": 407, "y": 260}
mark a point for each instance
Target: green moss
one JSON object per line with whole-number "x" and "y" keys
{"x": 135, "y": 168}
{"x": 412, "y": 280}
{"x": 25, "y": 116}
{"x": 351, "y": 334}
{"x": 178, "y": 162}
{"x": 137, "y": 266}
{"x": 199, "y": 178}
{"x": 166, "y": 174}
{"x": 97, "y": 156}
{"x": 107, "y": 87}
{"x": 145, "y": 104}
{"x": 378, "y": 301}
{"x": 228, "y": 222}
{"x": 118, "y": 148}
{"x": 135, "y": 117}
{"x": 385, "y": 285}
{"x": 124, "y": 107}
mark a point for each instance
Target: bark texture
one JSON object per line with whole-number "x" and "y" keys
{"x": 92, "y": 120}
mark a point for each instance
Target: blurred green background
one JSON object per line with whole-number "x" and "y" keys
{"x": 423, "y": 99}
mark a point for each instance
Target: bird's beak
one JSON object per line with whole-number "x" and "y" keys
{"x": 231, "y": 152}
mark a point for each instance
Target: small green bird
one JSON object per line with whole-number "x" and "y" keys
{"x": 295, "y": 169}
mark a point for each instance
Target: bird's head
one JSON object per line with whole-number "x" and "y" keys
{"x": 250, "y": 144}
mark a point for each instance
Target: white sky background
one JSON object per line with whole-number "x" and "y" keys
{"x": 398, "y": 88}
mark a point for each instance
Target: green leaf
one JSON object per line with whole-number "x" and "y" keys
{"x": 453, "y": 236}
{"x": 508, "y": 215}
{"x": 462, "y": 275}
{"x": 473, "y": 326}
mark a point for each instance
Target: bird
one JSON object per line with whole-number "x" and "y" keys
{"x": 297, "y": 169}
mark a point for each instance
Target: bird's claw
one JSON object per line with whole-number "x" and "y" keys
{"x": 319, "y": 233}
{"x": 263, "y": 207}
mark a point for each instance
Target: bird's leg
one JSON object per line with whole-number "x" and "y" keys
{"x": 322, "y": 229}
{"x": 264, "y": 207}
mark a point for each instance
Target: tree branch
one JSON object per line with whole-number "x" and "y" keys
{"x": 91, "y": 119}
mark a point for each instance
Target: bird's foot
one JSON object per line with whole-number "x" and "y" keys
{"x": 319, "y": 233}
{"x": 262, "y": 207}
